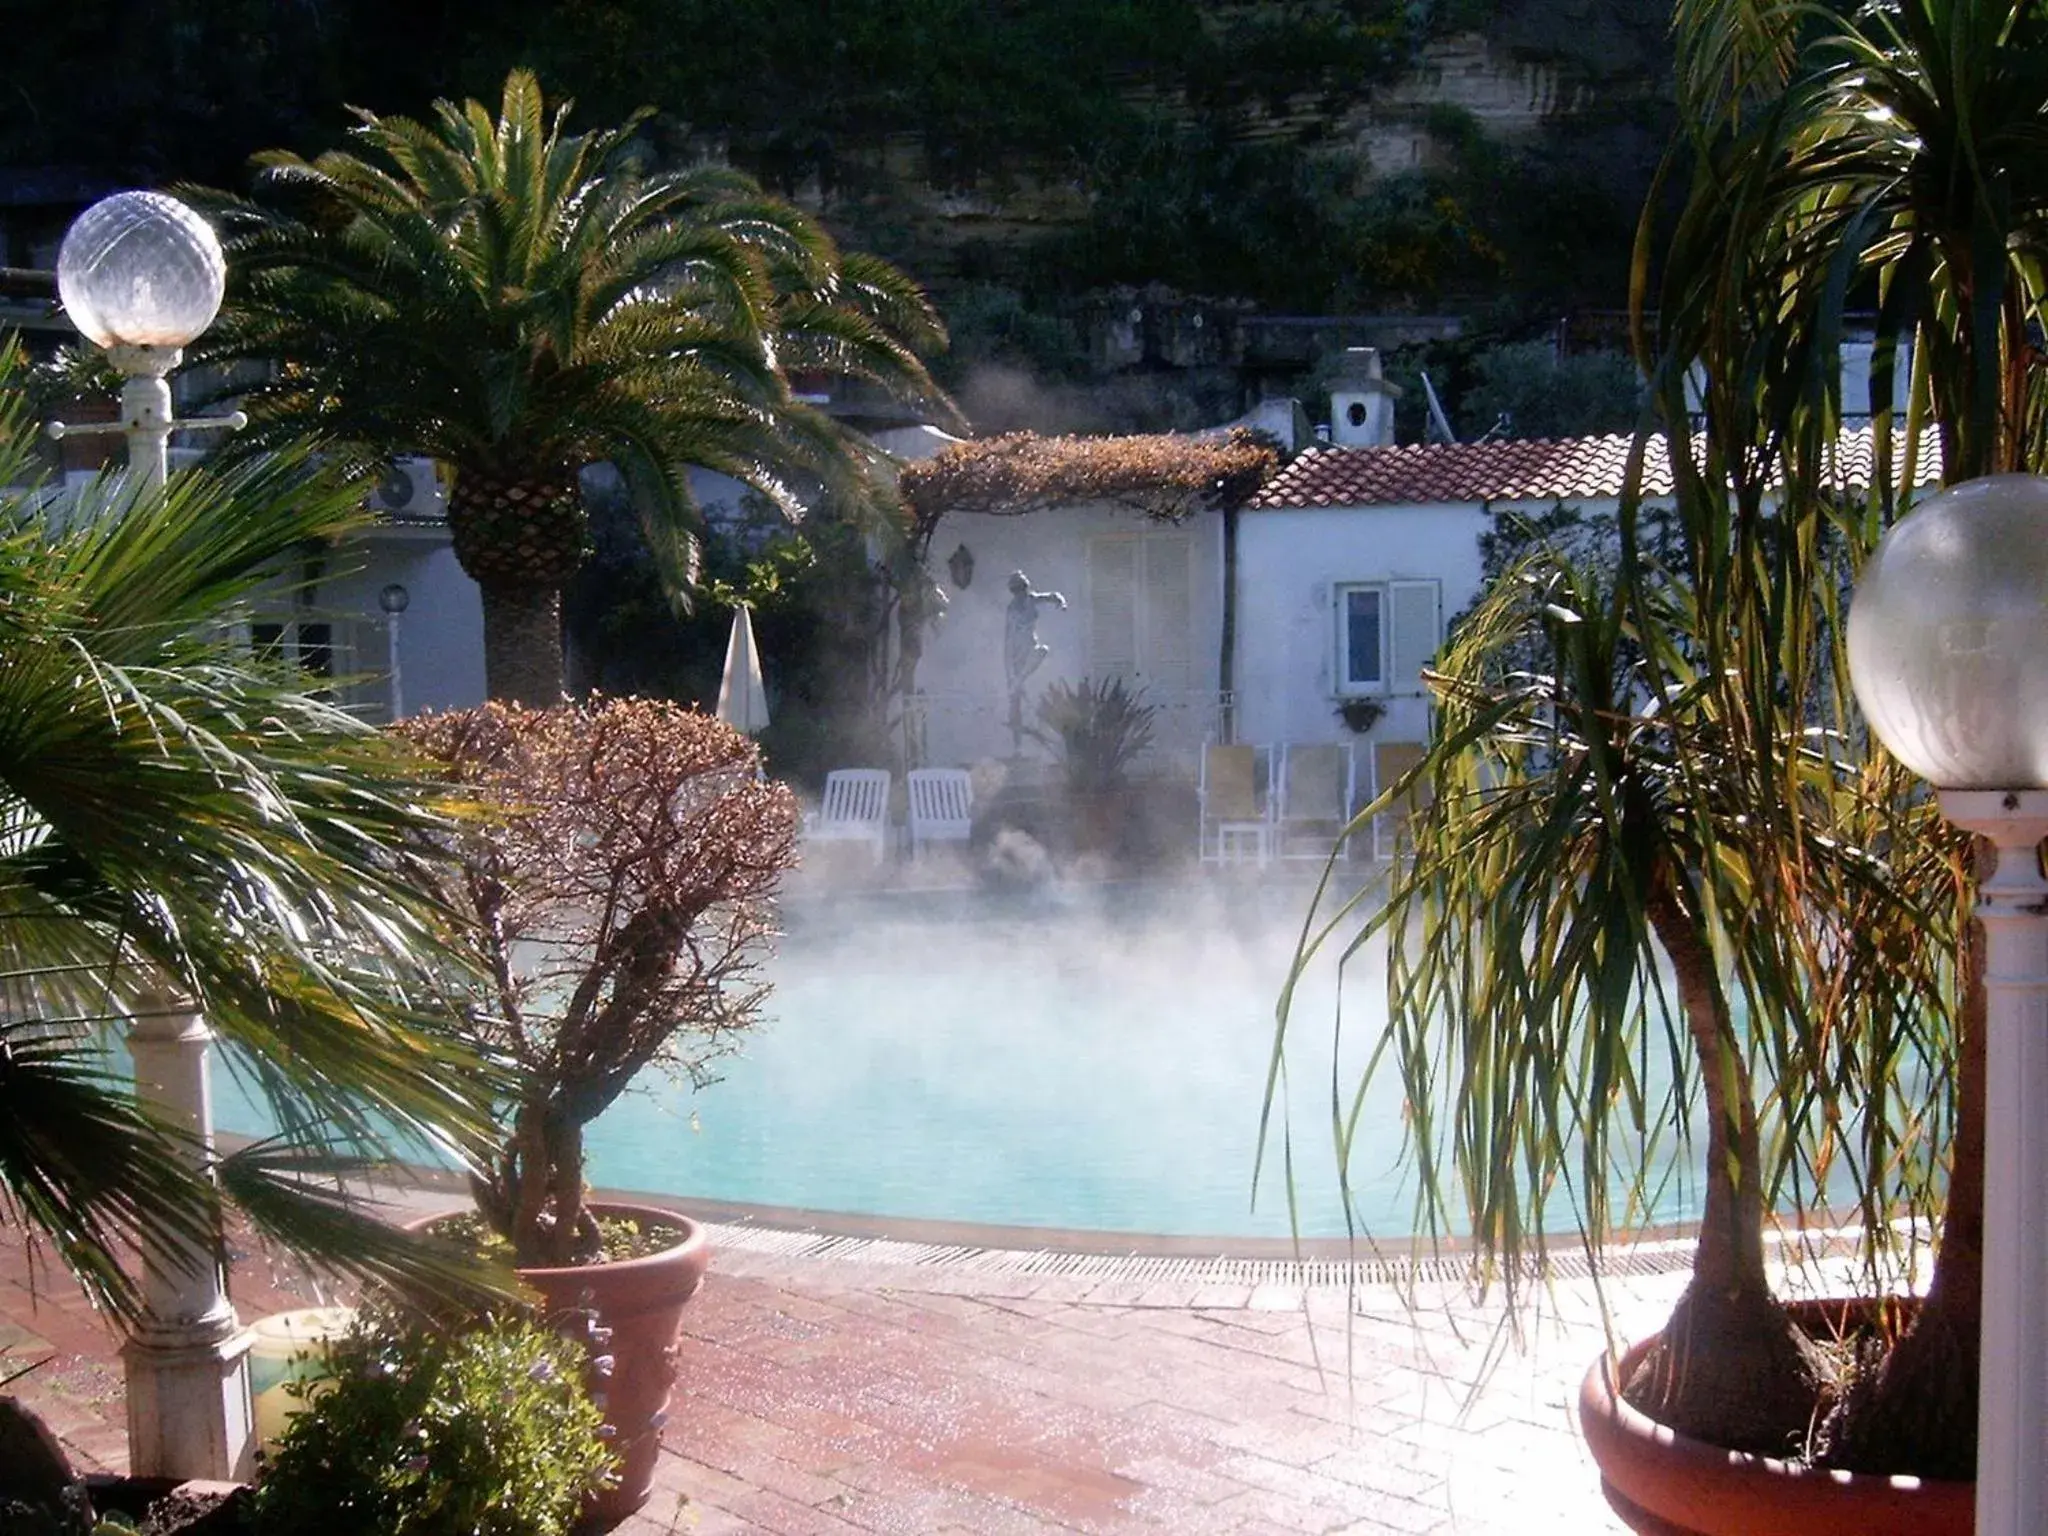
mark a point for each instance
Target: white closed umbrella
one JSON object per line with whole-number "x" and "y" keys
{"x": 742, "y": 701}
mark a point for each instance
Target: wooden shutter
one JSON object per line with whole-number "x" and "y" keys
{"x": 1415, "y": 629}
{"x": 1168, "y": 615}
{"x": 1112, "y": 607}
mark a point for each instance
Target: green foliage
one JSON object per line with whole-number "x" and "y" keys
{"x": 1097, "y": 728}
{"x": 486, "y": 1431}
{"x": 522, "y": 302}
{"x": 1536, "y": 393}
{"x": 178, "y": 819}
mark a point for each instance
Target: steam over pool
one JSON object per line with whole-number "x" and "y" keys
{"x": 1096, "y": 1063}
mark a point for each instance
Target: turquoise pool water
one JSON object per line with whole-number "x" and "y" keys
{"x": 1099, "y": 1065}
{"x": 1096, "y": 1062}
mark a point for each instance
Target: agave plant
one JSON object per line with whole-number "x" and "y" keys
{"x": 520, "y": 303}
{"x": 178, "y": 819}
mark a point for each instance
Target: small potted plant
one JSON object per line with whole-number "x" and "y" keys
{"x": 620, "y": 877}
{"x": 1098, "y": 729}
{"x": 1360, "y": 714}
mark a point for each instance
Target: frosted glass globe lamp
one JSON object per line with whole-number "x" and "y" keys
{"x": 141, "y": 275}
{"x": 1948, "y": 654}
{"x": 1948, "y": 636}
{"x": 140, "y": 269}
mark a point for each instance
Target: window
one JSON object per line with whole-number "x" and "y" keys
{"x": 1387, "y": 632}
{"x": 310, "y": 643}
{"x": 1362, "y": 641}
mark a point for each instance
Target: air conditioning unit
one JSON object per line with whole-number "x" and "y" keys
{"x": 410, "y": 488}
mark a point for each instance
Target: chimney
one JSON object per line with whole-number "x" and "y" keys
{"x": 1362, "y": 402}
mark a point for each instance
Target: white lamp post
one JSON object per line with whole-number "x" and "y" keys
{"x": 394, "y": 600}
{"x": 1948, "y": 653}
{"x": 141, "y": 275}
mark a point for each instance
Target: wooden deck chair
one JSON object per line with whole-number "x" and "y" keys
{"x": 941, "y": 807}
{"x": 1314, "y": 799}
{"x": 1391, "y": 759}
{"x": 855, "y": 809}
{"x": 1233, "y": 821}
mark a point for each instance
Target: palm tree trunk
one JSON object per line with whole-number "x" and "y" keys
{"x": 522, "y": 643}
{"x": 1919, "y": 1415}
{"x": 1732, "y": 1368}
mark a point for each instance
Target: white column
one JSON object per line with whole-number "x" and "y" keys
{"x": 187, "y": 1374}
{"x": 187, "y": 1361}
{"x": 2012, "y": 1402}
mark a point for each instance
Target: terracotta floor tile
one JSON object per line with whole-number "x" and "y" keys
{"x": 830, "y": 1397}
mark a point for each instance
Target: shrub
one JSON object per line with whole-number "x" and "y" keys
{"x": 486, "y": 1431}
{"x": 622, "y": 890}
{"x": 1098, "y": 728}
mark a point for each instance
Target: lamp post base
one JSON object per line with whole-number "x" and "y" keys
{"x": 189, "y": 1413}
{"x": 2012, "y": 1411}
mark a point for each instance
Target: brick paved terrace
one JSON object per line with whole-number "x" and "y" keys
{"x": 859, "y": 1391}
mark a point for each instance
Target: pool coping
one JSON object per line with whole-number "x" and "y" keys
{"x": 793, "y": 1233}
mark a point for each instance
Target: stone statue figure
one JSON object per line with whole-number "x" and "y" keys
{"x": 1023, "y": 651}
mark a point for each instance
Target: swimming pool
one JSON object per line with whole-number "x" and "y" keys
{"x": 1089, "y": 1060}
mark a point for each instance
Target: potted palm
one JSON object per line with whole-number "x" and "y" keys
{"x": 520, "y": 303}
{"x": 620, "y": 883}
{"x": 1099, "y": 729}
{"x": 1726, "y": 798}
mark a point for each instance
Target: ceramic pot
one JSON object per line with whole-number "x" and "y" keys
{"x": 1662, "y": 1483}
{"x": 641, "y": 1301}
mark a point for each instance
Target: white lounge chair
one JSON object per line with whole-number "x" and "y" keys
{"x": 941, "y": 807}
{"x": 855, "y": 809}
{"x": 1234, "y": 820}
{"x": 1314, "y": 799}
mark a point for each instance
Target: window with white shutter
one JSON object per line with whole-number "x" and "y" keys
{"x": 1112, "y": 607}
{"x": 1415, "y": 630}
{"x": 1166, "y": 615}
{"x": 1386, "y": 633}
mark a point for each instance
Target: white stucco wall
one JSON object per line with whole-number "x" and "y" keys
{"x": 440, "y": 637}
{"x": 1289, "y": 562}
{"x": 962, "y": 668}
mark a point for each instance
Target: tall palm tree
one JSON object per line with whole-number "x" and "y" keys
{"x": 175, "y": 815}
{"x": 1891, "y": 156}
{"x": 519, "y": 303}
{"x": 1895, "y": 154}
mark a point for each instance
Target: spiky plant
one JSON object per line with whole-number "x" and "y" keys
{"x": 1889, "y": 154}
{"x": 178, "y": 819}
{"x": 520, "y": 302}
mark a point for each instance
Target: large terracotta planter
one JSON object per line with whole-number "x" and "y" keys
{"x": 1664, "y": 1484}
{"x": 641, "y": 1301}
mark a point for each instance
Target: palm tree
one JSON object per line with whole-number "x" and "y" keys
{"x": 175, "y": 815}
{"x": 1895, "y": 153}
{"x": 1633, "y": 882}
{"x": 520, "y": 303}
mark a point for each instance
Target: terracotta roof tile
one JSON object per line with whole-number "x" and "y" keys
{"x": 1523, "y": 469}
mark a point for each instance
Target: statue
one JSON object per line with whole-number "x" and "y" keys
{"x": 1023, "y": 651}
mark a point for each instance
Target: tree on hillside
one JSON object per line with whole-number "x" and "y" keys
{"x": 520, "y": 303}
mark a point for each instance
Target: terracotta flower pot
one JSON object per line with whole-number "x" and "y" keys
{"x": 1662, "y": 1483}
{"x": 641, "y": 1301}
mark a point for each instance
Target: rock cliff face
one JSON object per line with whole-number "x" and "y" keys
{"x": 1591, "y": 71}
